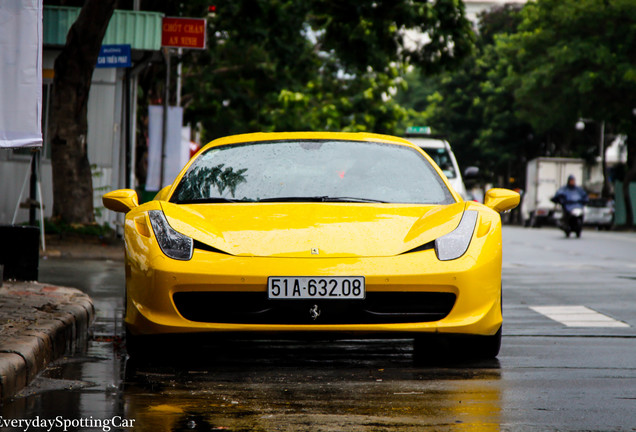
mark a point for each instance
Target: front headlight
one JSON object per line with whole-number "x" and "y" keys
{"x": 455, "y": 244}
{"x": 172, "y": 243}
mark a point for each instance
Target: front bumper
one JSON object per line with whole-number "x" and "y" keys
{"x": 154, "y": 281}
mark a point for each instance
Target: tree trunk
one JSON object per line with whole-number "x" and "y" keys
{"x": 72, "y": 180}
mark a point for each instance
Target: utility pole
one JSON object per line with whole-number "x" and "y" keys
{"x": 180, "y": 54}
{"x": 166, "y": 104}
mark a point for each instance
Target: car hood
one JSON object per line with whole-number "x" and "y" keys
{"x": 302, "y": 229}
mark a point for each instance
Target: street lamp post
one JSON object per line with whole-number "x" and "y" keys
{"x": 580, "y": 126}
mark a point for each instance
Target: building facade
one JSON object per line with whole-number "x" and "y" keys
{"x": 111, "y": 113}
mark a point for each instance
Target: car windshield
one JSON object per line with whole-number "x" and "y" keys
{"x": 312, "y": 170}
{"x": 442, "y": 159}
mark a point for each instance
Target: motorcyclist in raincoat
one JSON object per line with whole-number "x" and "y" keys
{"x": 572, "y": 198}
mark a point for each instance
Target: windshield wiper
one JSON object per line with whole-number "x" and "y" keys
{"x": 318, "y": 199}
{"x": 352, "y": 199}
{"x": 210, "y": 201}
{"x": 293, "y": 199}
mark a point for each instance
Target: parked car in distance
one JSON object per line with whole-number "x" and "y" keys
{"x": 441, "y": 152}
{"x": 599, "y": 212}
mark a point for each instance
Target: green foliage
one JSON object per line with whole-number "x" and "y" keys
{"x": 471, "y": 107}
{"x": 536, "y": 71}
{"x": 366, "y": 33}
{"x": 256, "y": 50}
{"x": 574, "y": 58}
{"x": 357, "y": 104}
{"x": 315, "y": 65}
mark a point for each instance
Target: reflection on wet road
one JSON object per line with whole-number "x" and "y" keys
{"x": 328, "y": 386}
{"x": 269, "y": 385}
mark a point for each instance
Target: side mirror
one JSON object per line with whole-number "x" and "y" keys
{"x": 501, "y": 200}
{"x": 121, "y": 200}
{"x": 471, "y": 172}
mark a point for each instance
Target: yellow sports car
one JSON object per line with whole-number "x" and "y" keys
{"x": 304, "y": 233}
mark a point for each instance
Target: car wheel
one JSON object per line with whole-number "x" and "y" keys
{"x": 138, "y": 346}
{"x": 435, "y": 348}
{"x": 431, "y": 349}
{"x": 485, "y": 347}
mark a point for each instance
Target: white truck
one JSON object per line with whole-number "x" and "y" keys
{"x": 544, "y": 176}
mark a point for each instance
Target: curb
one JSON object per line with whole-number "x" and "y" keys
{"x": 39, "y": 323}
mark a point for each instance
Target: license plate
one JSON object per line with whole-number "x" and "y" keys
{"x": 300, "y": 287}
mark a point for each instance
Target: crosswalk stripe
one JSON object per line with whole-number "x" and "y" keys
{"x": 578, "y": 316}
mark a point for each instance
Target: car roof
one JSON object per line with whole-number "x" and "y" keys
{"x": 280, "y": 136}
{"x": 428, "y": 142}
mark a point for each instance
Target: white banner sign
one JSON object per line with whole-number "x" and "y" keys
{"x": 20, "y": 73}
{"x": 176, "y": 153}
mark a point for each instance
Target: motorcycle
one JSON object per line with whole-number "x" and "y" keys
{"x": 572, "y": 198}
{"x": 572, "y": 221}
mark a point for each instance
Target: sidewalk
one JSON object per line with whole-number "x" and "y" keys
{"x": 40, "y": 323}
{"x": 83, "y": 247}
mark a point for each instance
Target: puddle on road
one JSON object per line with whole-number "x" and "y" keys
{"x": 290, "y": 386}
{"x": 268, "y": 385}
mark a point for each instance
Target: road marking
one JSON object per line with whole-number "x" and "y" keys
{"x": 578, "y": 316}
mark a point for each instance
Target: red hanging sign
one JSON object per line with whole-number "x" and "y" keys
{"x": 183, "y": 32}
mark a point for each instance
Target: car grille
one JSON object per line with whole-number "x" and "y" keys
{"x": 256, "y": 308}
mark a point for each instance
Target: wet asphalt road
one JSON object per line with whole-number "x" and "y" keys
{"x": 548, "y": 377}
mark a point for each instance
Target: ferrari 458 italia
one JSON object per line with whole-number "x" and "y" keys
{"x": 346, "y": 234}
